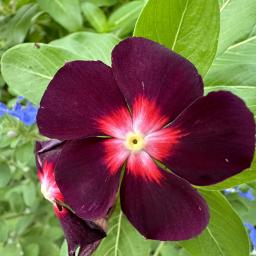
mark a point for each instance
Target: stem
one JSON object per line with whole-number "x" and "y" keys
{"x": 158, "y": 249}
{"x": 17, "y": 215}
{"x": 118, "y": 233}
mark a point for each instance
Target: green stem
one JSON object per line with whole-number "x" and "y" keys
{"x": 13, "y": 216}
{"x": 158, "y": 249}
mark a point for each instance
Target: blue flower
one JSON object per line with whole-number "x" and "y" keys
{"x": 3, "y": 109}
{"x": 26, "y": 114}
{"x": 252, "y": 233}
{"x": 247, "y": 195}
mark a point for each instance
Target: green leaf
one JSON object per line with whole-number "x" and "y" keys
{"x": 52, "y": 233}
{"x": 225, "y": 234}
{"x": 14, "y": 30}
{"x": 95, "y": 16}
{"x": 29, "y": 193}
{"x": 34, "y": 66}
{"x": 189, "y": 27}
{"x": 170, "y": 249}
{"x": 31, "y": 250}
{"x": 89, "y": 46}
{"x": 11, "y": 250}
{"x": 246, "y": 176}
{"x": 15, "y": 200}
{"x": 66, "y": 12}
{"x": 101, "y": 3}
{"x": 232, "y": 32}
{"x": 123, "y": 19}
{"x": 24, "y": 153}
{"x": 4, "y": 231}
{"x": 234, "y": 69}
{"x": 49, "y": 249}
{"x": 5, "y": 174}
{"x": 122, "y": 239}
{"x": 64, "y": 249}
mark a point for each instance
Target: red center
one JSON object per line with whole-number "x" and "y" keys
{"x": 147, "y": 120}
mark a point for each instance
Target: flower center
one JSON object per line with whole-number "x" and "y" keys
{"x": 134, "y": 141}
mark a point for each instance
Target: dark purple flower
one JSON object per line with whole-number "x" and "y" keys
{"x": 151, "y": 107}
{"x": 78, "y": 232}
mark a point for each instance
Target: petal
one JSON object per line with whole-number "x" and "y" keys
{"x": 79, "y": 233}
{"x": 80, "y": 93}
{"x": 49, "y": 188}
{"x": 3, "y": 109}
{"x": 47, "y": 150}
{"x": 142, "y": 67}
{"x": 169, "y": 209}
{"x": 116, "y": 124}
{"x": 115, "y": 154}
{"x": 216, "y": 141}
{"x": 30, "y": 113}
{"x": 146, "y": 116}
{"x": 83, "y": 177}
{"x": 159, "y": 144}
{"x": 141, "y": 165}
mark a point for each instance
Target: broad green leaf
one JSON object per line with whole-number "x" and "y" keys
{"x": 95, "y": 16}
{"x": 189, "y": 27}
{"x": 170, "y": 249}
{"x": 122, "y": 239}
{"x": 28, "y": 69}
{"x": 66, "y": 12}
{"x": 89, "y": 46}
{"x": 225, "y": 234}
{"x": 234, "y": 68}
{"x": 34, "y": 66}
{"x": 5, "y": 174}
{"x": 246, "y": 176}
{"x": 123, "y": 19}
{"x": 238, "y": 19}
{"x": 14, "y": 30}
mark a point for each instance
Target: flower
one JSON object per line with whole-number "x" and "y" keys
{"x": 246, "y": 195}
{"x": 252, "y": 234}
{"x": 26, "y": 114}
{"x": 78, "y": 232}
{"x": 144, "y": 114}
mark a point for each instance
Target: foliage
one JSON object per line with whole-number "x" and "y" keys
{"x": 37, "y": 37}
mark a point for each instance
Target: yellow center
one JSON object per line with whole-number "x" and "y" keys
{"x": 134, "y": 141}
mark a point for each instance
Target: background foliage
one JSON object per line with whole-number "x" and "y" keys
{"x": 38, "y": 36}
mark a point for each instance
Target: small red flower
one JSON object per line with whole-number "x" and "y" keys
{"x": 146, "y": 112}
{"x": 78, "y": 232}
